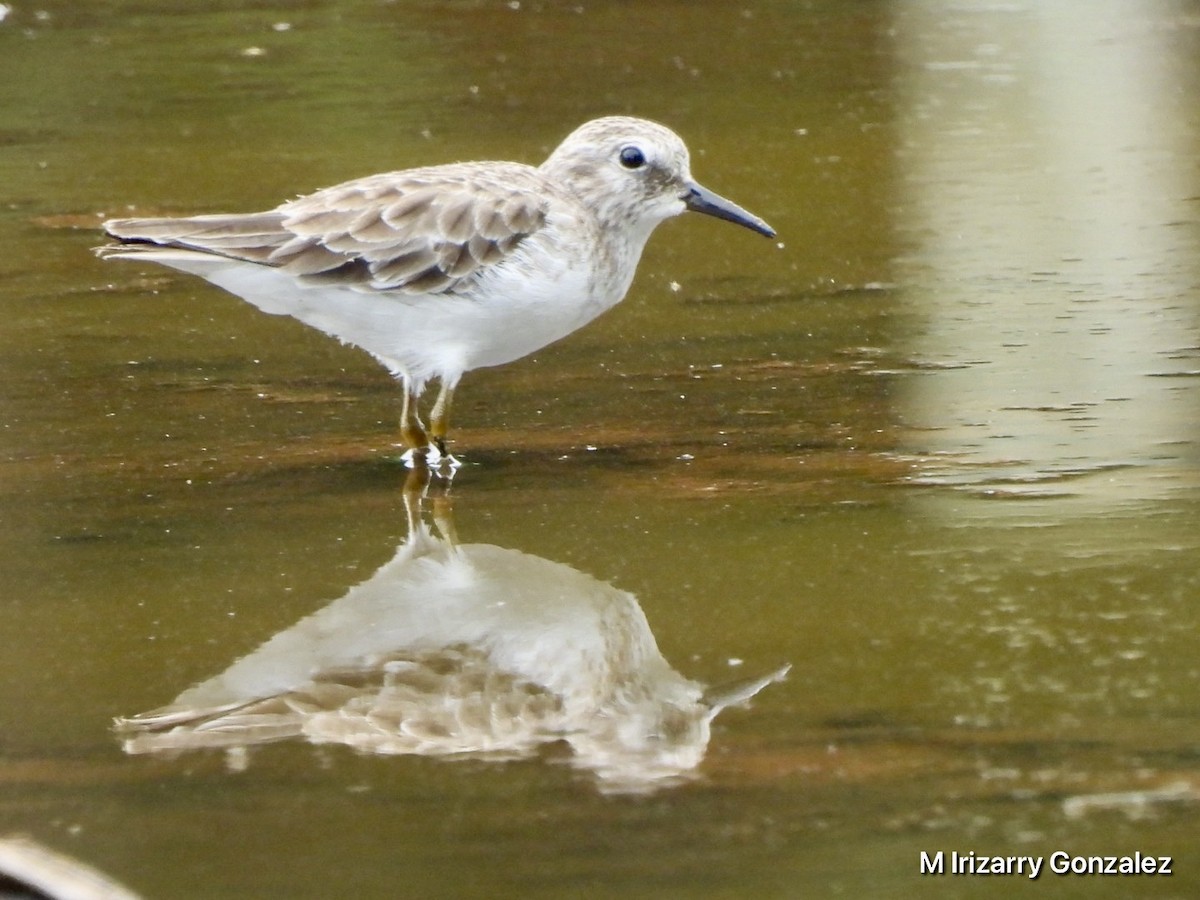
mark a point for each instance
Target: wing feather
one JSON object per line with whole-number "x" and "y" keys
{"x": 419, "y": 231}
{"x": 405, "y": 267}
{"x": 251, "y": 237}
{"x": 314, "y": 259}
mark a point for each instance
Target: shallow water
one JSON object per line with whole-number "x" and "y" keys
{"x": 936, "y": 450}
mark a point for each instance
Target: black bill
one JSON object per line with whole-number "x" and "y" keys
{"x": 702, "y": 200}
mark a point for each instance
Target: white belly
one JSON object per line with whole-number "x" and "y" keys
{"x": 509, "y": 315}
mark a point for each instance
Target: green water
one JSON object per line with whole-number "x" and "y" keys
{"x": 937, "y": 449}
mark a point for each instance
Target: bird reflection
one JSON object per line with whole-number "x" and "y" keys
{"x": 462, "y": 650}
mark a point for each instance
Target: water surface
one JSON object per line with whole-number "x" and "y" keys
{"x": 936, "y": 448}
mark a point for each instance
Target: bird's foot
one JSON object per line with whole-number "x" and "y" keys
{"x": 436, "y": 458}
{"x": 441, "y": 461}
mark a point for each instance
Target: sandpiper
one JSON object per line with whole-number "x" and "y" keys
{"x": 439, "y": 270}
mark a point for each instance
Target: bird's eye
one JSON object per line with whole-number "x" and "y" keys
{"x": 632, "y": 157}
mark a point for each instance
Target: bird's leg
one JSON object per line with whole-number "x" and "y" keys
{"x": 412, "y": 432}
{"x": 439, "y": 417}
{"x": 439, "y": 425}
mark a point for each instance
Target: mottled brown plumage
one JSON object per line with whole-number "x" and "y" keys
{"x": 418, "y": 231}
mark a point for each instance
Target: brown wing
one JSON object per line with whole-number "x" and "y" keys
{"x": 419, "y": 231}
